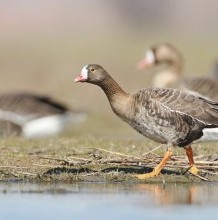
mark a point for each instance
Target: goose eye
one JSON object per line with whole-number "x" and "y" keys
{"x": 92, "y": 69}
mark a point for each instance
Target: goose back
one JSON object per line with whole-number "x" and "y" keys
{"x": 30, "y": 104}
{"x": 205, "y": 86}
{"x": 35, "y": 115}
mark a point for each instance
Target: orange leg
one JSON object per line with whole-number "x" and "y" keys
{"x": 189, "y": 153}
{"x": 159, "y": 167}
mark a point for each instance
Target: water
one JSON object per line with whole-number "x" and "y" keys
{"x": 90, "y": 201}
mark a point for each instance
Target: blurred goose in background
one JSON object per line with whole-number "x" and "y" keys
{"x": 8, "y": 128}
{"x": 214, "y": 70}
{"x": 34, "y": 116}
{"x": 170, "y": 72}
{"x": 167, "y": 116}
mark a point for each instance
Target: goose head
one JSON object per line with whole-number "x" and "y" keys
{"x": 92, "y": 73}
{"x": 160, "y": 54}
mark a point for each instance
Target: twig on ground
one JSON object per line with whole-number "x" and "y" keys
{"x": 152, "y": 151}
{"x": 147, "y": 160}
{"x": 13, "y": 167}
{"x": 112, "y": 152}
{"x": 200, "y": 177}
{"x": 51, "y": 158}
{"x": 27, "y": 173}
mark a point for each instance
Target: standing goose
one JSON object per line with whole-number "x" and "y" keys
{"x": 166, "y": 116}
{"x": 34, "y": 116}
{"x": 170, "y": 72}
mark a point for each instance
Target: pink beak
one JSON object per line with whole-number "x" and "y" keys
{"x": 79, "y": 78}
{"x": 143, "y": 64}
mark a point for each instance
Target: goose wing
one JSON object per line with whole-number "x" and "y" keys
{"x": 205, "y": 86}
{"x": 30, "y": 104}
{"x": 151, "y": 110}
{"x": 197, "y": 107}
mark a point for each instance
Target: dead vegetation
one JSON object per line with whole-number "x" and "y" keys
{"x": 60, "y": 161}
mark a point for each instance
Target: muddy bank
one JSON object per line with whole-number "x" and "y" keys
{"x": 97, "y": 160}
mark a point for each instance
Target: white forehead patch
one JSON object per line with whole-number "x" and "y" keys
{"x": 150, "y": 57}
{"x": 84, "y": 72}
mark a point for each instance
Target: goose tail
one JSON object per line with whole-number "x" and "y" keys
{"x": 209, "y": 135}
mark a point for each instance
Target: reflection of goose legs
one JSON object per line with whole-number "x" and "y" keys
{"x": 159, "y": 167}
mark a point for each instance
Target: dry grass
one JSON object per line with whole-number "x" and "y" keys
{"x": 87, "y": 158}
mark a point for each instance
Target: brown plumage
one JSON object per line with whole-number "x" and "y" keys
{"x": 166, "y": 116}
{"x": 214, "y": 70}
{"x": 170, "y": 73}
{"x": 32, "y": 115}
{"x": 25, "y": 103}
{"x": 8, "y": 128}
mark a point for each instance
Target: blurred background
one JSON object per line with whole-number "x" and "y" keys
{"x": 45, "y": 43}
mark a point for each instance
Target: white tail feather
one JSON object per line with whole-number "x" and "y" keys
{"x": 209, "y": 134}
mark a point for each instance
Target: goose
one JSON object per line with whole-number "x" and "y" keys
{"x": 34, "y": 116}
{"x": 170, "y": 72}
{"x": 214, "y": 70}
{"x": 165, "y": 115}
{"x": 8, "y": 128}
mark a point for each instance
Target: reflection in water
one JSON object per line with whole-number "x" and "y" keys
{"x": 108, "y": 201}
{"x": 181, "y": 194}
{"x": 152, "y": 194}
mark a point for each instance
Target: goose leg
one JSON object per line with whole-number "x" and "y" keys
{"x": 159, "y": 167}
{"x": 194, "y": 170}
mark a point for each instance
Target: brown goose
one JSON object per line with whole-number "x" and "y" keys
{"x": 214, "y": 70}
{"x": 32, "y": 116}
{"x": 8, "y": 128}
{"x": 171, "y": 73}
{"x": 167, "y": 116}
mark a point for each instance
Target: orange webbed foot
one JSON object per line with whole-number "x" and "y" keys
{"x": 147, "y": 175}
{"x": 195, "y": 171}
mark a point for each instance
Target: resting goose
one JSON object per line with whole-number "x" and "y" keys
{"x": 8, "y": 128}
{"x": 167, "y": 116}
{"x": 170, "y": 72}
{"x": 34, "y": 116}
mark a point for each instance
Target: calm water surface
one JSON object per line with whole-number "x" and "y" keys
{"x": 108, "y": 201}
